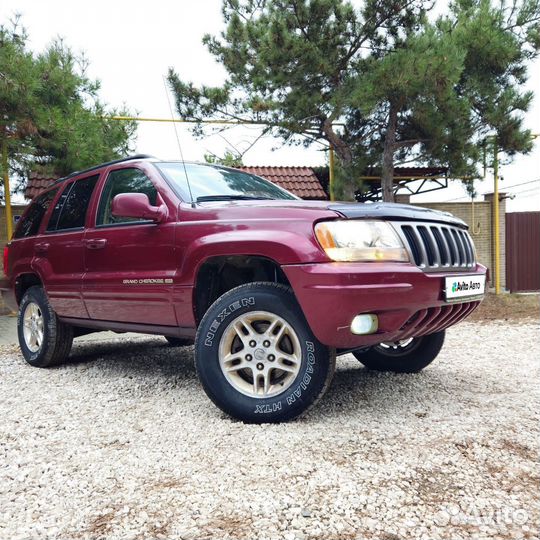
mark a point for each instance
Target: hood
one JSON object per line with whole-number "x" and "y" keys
{"x": 325, "y": 209}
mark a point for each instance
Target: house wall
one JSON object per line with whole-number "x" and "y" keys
{"x": 17, "y": 210}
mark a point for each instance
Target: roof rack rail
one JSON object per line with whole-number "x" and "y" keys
{"x": 106, "y": 164}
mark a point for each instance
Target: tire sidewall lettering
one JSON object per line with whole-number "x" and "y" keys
{"x": 223, "y": 314}
{"x": 306, "y": 379}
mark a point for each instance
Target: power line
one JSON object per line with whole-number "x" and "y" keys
{"x": 521, "y": 184}
{"x": 502, "y": 187}
{"x": 526, "y": 192}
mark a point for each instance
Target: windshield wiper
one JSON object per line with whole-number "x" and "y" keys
{"x": 204, "y": 198}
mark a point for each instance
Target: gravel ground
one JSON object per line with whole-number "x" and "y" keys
{"x": 123, "y": 443}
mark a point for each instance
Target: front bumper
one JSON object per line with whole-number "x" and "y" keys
{"x": 407, "y": 301}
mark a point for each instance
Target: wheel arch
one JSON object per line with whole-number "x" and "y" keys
{"x": 218, "y": 274}
{"x": 24, "y": 281}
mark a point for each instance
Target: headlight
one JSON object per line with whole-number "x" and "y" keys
{"x": 360, "y": 241}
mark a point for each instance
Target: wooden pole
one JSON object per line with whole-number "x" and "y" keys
{"x": 331, "y": 178}
{"x": 496, "y": 217}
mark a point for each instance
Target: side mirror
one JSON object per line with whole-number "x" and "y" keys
{"x": 137, "y": 205}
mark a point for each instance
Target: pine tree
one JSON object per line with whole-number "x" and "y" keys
{"x": 438, "y": 97}
{"x": 293, "y": 63}
{"x": 229, "y": 159}
{"x": 50, "y": 114}
{"x": 405, "y": 89}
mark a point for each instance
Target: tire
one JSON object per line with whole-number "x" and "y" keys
{"x": 56, "y": 337}
{"x": 260, "y": 391}
{"x": 409, "y": 358}
{"x": 178, "y": 342}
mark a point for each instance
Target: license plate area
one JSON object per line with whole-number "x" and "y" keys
{"x": 464, "y": 287}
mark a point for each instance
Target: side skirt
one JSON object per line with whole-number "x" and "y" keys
{"x": 120, "y": 327}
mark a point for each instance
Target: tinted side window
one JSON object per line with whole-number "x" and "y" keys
{"x": 55, "y": 214}
{"x": 29, "y": 224}
{"x": 123, "y": 181}
{"x": 70, "y": 212}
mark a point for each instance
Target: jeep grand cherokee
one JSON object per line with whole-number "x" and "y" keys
{"x": 270, "y": 288}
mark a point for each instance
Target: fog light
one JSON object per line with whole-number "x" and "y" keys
{"x": 365, "y": 324}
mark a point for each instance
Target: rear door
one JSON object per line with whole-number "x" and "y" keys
{"x": 61, "y": 248}
{"x": 130, "y": 264}
{"x": 21, "y": 250}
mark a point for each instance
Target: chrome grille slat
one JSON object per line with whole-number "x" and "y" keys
{"x": 459, "y": 247}
{"x": 437, "y": 247}
{"x": 422, "y": 245}
{"x": 470, "y": 247}
{"x": 465, "y": 240}
{"x": 416, "y": 245}
{"x": 442, "y": 246}
{"x": 452, "y": 246}
{"x": 428, "y": 246}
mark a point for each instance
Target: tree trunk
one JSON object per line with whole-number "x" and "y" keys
{"x": 387, "y": 168}
{"x": 344, "y": 154}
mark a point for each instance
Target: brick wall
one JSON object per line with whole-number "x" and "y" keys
{"x": 480, "y": 219}
{"x": 17, "y": 210}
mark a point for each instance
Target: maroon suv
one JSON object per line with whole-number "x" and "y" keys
{"x": 268, "y": 286}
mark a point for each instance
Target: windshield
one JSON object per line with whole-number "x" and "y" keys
{"x": 215, "y": 183}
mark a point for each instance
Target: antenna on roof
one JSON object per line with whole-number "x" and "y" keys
{"x": 178, "y": 141}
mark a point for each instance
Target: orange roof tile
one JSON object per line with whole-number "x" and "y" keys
{"x": 298, "y": 180}
{"x": 37, "y": 182}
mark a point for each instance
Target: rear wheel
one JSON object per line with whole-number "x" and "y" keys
{"x": 404, "y": 356}
{"x": 257, "y": 358}
{"x": 44, "y": 340}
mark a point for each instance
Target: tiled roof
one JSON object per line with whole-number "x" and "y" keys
{"x": 298, "y": 180}
{"x": 37, "y": 182}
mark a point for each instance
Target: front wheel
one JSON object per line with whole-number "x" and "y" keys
{"x": 257, "y": 358}
{"x": 405, "y": 356}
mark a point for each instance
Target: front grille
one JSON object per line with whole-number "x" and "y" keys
{"x": 436, "y": 247}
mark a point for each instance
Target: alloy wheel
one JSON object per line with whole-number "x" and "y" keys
{"x": 260, "y": 354}
{"x": 33, "y": 327}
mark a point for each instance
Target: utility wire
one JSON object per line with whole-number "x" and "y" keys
{"x": 521, "y": 184}
{"x": 501, "y": 187}
{"x": 526, "y": 191}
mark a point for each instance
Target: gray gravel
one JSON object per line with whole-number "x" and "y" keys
{"x": 123, "y": 443}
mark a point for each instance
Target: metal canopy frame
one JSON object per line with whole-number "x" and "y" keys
{"x": 402, "y": 185}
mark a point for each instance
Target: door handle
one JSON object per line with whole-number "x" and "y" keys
{"x": 41, "y": 247}
{"x": 97, "y": 243}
